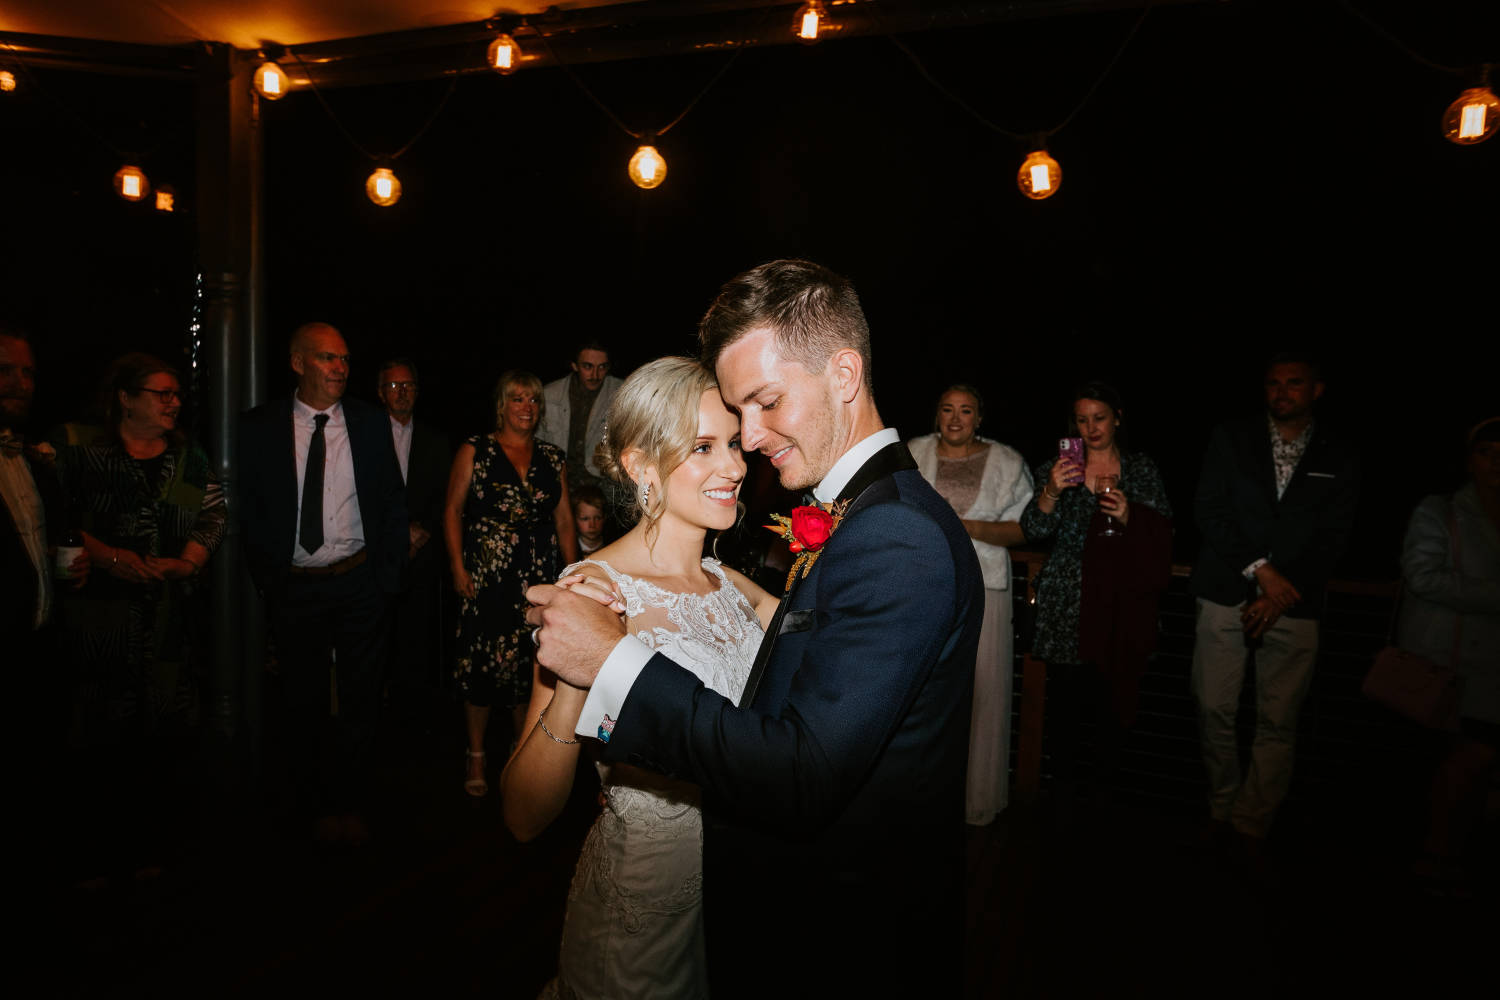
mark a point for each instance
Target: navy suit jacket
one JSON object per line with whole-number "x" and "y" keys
{"x": 833, "y": 802}
{"x": 1303, "y": 534}
{"x": 267, "y": 495}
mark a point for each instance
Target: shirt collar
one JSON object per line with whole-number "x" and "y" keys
{"x": 305, "y": 412}
{"x": 844, "y": 469}
{"x": 1300, "y": 439}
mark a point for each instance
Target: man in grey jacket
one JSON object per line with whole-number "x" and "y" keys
{"x": 576, "y": 405}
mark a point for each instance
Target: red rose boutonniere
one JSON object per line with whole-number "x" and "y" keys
{"x": 806, "y": 532}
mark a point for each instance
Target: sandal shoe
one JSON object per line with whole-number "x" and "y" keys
{"x": 477, "y": 787}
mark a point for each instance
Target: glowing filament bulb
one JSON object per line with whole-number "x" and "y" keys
{"x": 383, "y": 187}
{"x": 166, "y": 199}
{"x": 647, "y": 167}
{"x": 131, "y": 183}
{"x": 1472, "y": 118}
{"x": 270, "y": 81}
{"x": 7, "y": 80}
{"x": 809, "y": 21}
{"x": 504, "y": 54}
{"x": 1039, "y": 176}
{"x": 1472, "y": 126}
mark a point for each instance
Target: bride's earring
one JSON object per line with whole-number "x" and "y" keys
{"x": 645, "y": 495}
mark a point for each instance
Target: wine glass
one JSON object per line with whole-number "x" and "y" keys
{"x": 1103, "y": 485}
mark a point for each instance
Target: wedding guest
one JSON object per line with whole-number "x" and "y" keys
{"x": 424, "y": 456}
{"x": 152, "y": 515}
{"x": 328, "y": 566}
{"x": 588, "y": 517}
{"x": 989, "y": 485}
{"x": 573, "y": 414}
{"x": 1105, "y": 510}
{"x": 1275, "y": 504}
{"x": 1450, "y": 614}
{"x": 508, "y": 524}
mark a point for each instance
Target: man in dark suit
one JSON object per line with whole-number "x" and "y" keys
{"x": 423, "y": 454}
{"x": 833, "y": 796}
{"x": 1276, "y": 500}
{"x": 326, "y": 538}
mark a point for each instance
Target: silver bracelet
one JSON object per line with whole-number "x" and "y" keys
{"x": 541, "y": 720}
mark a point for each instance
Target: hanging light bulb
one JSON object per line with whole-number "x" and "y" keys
{"x": 7, "y": 81}
{"x": 808, "y": 21}
{"x": 131, "y": 183}
{"x": 271, "y": 81}
{"x": 647, "y": 167}
{"x": 504, "y": 54}
{"x": 166, "y": 198}
{"x": 1039, "y": 176}
{"x": 383, "y": 187}
{"x": 1472, "y": 118}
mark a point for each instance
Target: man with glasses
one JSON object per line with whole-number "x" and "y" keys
{"x": 326, "y": 539}
{"x": 423, "y": 453}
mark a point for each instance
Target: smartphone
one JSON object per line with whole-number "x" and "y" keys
{"x": 1071, "y": 448}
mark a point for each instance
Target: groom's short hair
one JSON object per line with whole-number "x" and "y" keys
{"x": 811, "y": 311}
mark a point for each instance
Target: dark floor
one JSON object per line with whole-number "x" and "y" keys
{"x": 445, "y": 903}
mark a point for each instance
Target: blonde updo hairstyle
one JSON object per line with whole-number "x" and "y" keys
{"x": 656, "y": 412}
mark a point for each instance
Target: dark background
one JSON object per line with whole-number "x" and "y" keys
{"x": 1251, "y": 177}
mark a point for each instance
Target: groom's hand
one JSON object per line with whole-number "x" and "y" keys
{"x": 577, "y": 633}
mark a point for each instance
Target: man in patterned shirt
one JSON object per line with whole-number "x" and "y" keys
{"x": 1275, "y": 504}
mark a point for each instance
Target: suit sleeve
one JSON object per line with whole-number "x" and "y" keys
{"x": 886, "y": 606}
{"x": 1218, "y": 520}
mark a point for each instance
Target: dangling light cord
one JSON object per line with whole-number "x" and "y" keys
{"x": 374, "y": 158}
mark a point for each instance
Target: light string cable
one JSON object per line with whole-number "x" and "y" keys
{"x": 132, "y": 156}
{"x": 609, "y": 112}
{"x": 392, "y": 157}
{"x": 1479, "y": 72}
{"x": 1020, "y": 137}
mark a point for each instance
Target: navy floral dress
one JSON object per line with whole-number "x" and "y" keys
{"x": 1059, "y": 587}
{"x": 509, "y": 544}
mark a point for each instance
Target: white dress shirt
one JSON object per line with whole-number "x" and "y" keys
{"x": 25, "y": 503}
{"x": 630, "y": 655}
{"x": 401, "y": 435}
{"x": 343, "y": 531}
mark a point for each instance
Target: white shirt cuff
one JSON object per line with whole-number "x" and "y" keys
{"x": 1249, "y": 571}
{"x": 605, "y": 699}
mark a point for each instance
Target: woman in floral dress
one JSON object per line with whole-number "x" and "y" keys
{"x": 507, "y": 525}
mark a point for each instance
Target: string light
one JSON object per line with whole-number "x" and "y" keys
{"x": 383, "y": 187}
{"x": 808, "y": 21}
{"x": 7, "y": 81}
{"x": 271, "y": 81}
{"x": 504, "y": 55}
{"x": 131, "y": 183}
{"x": 166, "y": 199}
{"x": 1472, "y": 118}
{"x": 647, "y": 167}
{"x": 1039, "y": 176}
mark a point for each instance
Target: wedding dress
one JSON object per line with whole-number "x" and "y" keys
{"x": 634, "y": 924}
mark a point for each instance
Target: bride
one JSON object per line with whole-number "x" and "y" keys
{"x": 634, "y": 920}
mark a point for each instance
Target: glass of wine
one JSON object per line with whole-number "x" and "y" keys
{"x": 1103, "y": 485}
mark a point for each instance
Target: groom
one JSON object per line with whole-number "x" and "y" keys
{"x": 833, "y": 794}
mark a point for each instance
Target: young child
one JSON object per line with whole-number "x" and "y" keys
{"x": 588, "y": 516}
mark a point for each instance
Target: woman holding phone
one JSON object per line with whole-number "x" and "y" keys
{"x": 1106, "y": 513}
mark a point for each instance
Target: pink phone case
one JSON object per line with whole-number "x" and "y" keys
{"x": 1070, "y": 448}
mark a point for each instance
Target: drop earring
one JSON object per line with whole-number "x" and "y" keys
{"x": 645, "y": 495}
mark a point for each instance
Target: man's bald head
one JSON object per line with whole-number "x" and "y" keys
{"x": 321, "y": 360}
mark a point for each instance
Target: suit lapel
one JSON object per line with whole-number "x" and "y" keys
{"x": 888, "y": 461}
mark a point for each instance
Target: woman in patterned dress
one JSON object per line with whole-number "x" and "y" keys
{"x": 506, "y": 520}
{"x": 151, "y": 514}
{"x": 1097, "y": 595}
{"x": 634, "y": 923}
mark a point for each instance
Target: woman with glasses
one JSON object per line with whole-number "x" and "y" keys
{"x": 150, "y": 513}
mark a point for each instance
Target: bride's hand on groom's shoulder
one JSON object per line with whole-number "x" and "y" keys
{"x": 600, "y": 590}
{"x": 578, "y": 629}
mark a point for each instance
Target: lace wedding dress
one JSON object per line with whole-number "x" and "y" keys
{"x": 634, "y": 924}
